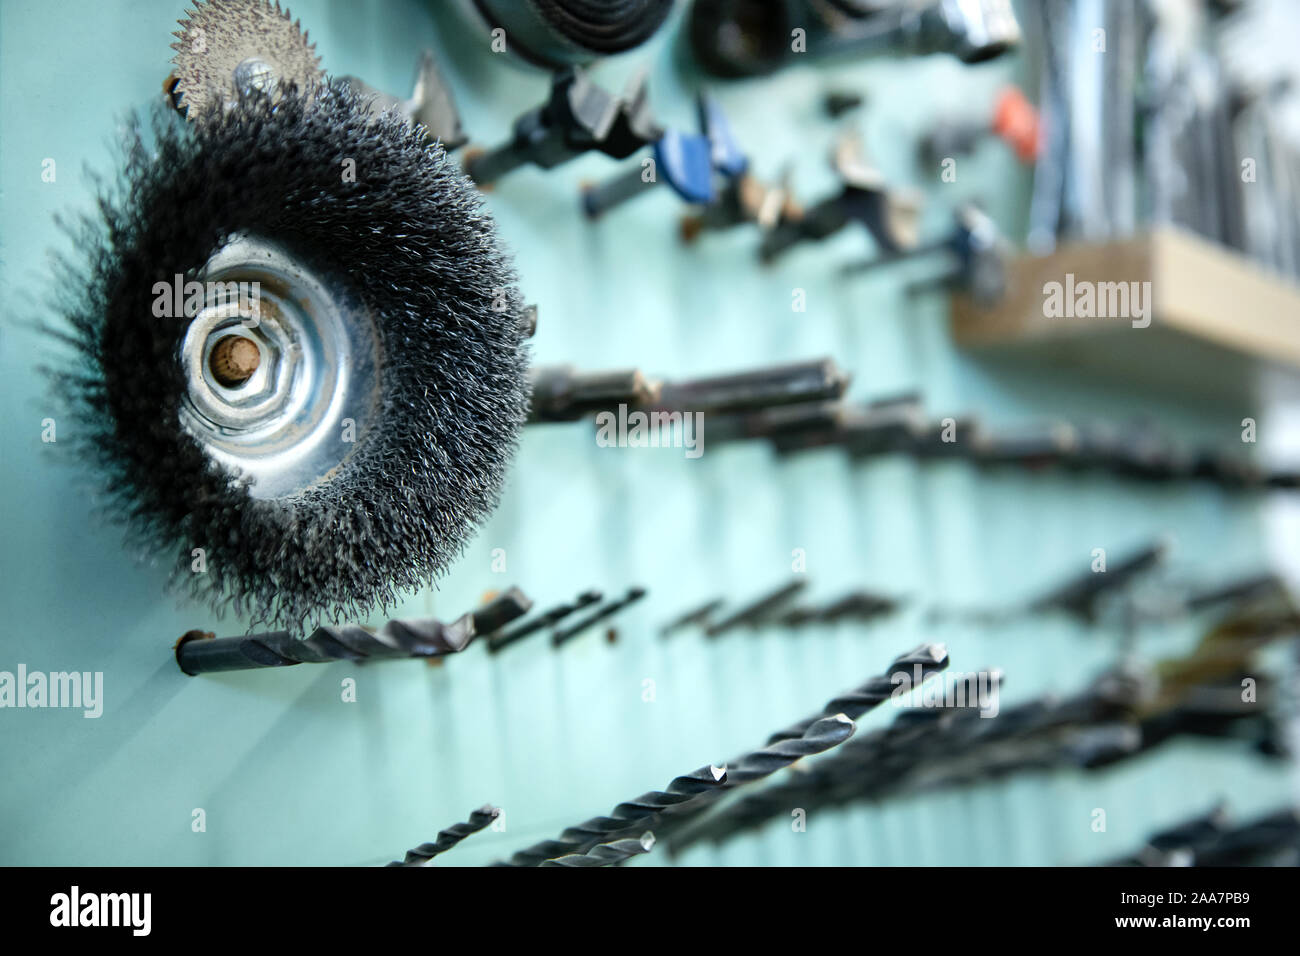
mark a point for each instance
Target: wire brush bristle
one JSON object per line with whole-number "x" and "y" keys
{"x": 409, "y": 241}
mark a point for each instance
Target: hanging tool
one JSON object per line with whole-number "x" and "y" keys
{"x": 500, "y": 641}
{"x": 562, "y": 395}
{"x": 691, "y": 163}
{"x": 203, "y": 653}
{"x": 562, "y": 636}
{"x": 558, "y": 33}
{"x": 430, "y": 105}
{"x": 746, "y": 199}
{"x": 891, "y": 216}
{"x": 448, "y": 838}
{"x": 1014, "y": 120}
{"x": 978, "y": 248}
{"x": 291, "y": 418}
{"x": 577, "y": 118}
{"x": 737, "y": 38}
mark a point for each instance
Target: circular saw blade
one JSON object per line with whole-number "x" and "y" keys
{"x": 224, "y": 46}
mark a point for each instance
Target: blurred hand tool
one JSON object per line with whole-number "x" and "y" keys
{"x": 977, "y": 246}
{"x": 746, "y": 199}
{"x": 561, "y": 395}
{"x": 579, "y": 117}
{"x": 737, "y": 38}
{"x": 448, "y": 838}
{"x": 1015, "y": 121}
{"x": 891, "y": 216}
{"x": 201, "y": 653}
{"x": 693, "y": 164}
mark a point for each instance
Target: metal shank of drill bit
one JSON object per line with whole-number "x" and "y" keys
{"x": 448, "y": 838}
{"x": 644, "y": 811}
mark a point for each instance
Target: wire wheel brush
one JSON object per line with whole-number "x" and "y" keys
{"x": 301, "y": 351}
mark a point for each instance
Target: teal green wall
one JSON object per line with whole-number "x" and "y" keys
{"x": 289, "y": 774}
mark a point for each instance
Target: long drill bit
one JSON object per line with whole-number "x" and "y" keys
{"x": 198, "y": 652}
{"x": 499, "y": 642}
{"x": 448, "y": 838}
{"x": 644, "y": 811}
{"x": 564, "y": 635}
{"x": 913, "y": 668}
{"x": 607, "y": 854}
{"x": 820, "y": 736}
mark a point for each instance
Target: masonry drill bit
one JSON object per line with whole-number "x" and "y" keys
{"x": 561, "y": 637}
{"x": 498, "y": 642}
{"x": 644, "y": 811}
{"x": 910, "y": 670}
{"x": 607, "y": 854}
{"x": 448, "y": 838}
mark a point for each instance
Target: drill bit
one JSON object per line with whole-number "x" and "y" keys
{"x": 498, "y": 642}
{"x": 755, "y": 613}
{"x": 199, "y": 652}
{"x": 644, "y": 811}
{"x": 561, "y": 394}
{"x": 607, "y": 854}
{"x": 696, "y": 615}
{"x": 561, "y": 637}
{"x": 508, "y": 606}
{"x": 448, "y": 838}
{"x": 820, "y": 736}
{"x": 911, "y": 669}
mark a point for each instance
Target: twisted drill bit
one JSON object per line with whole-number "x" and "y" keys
{"x": 607, "y": 854}
{"x": 821, "y": 735}
{"x": 644, "y": 811}
{"x": 199, "y": 652}
{"x": 907, "y": 671}
{"x": 448, "y": 838}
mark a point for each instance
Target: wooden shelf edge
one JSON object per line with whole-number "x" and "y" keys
{"x": 1198, "y": 289}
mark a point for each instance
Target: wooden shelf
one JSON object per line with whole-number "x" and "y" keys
{"x": 1217, "y": 317}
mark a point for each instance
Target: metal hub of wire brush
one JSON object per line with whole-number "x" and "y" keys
{"x": 281, "y": 391}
